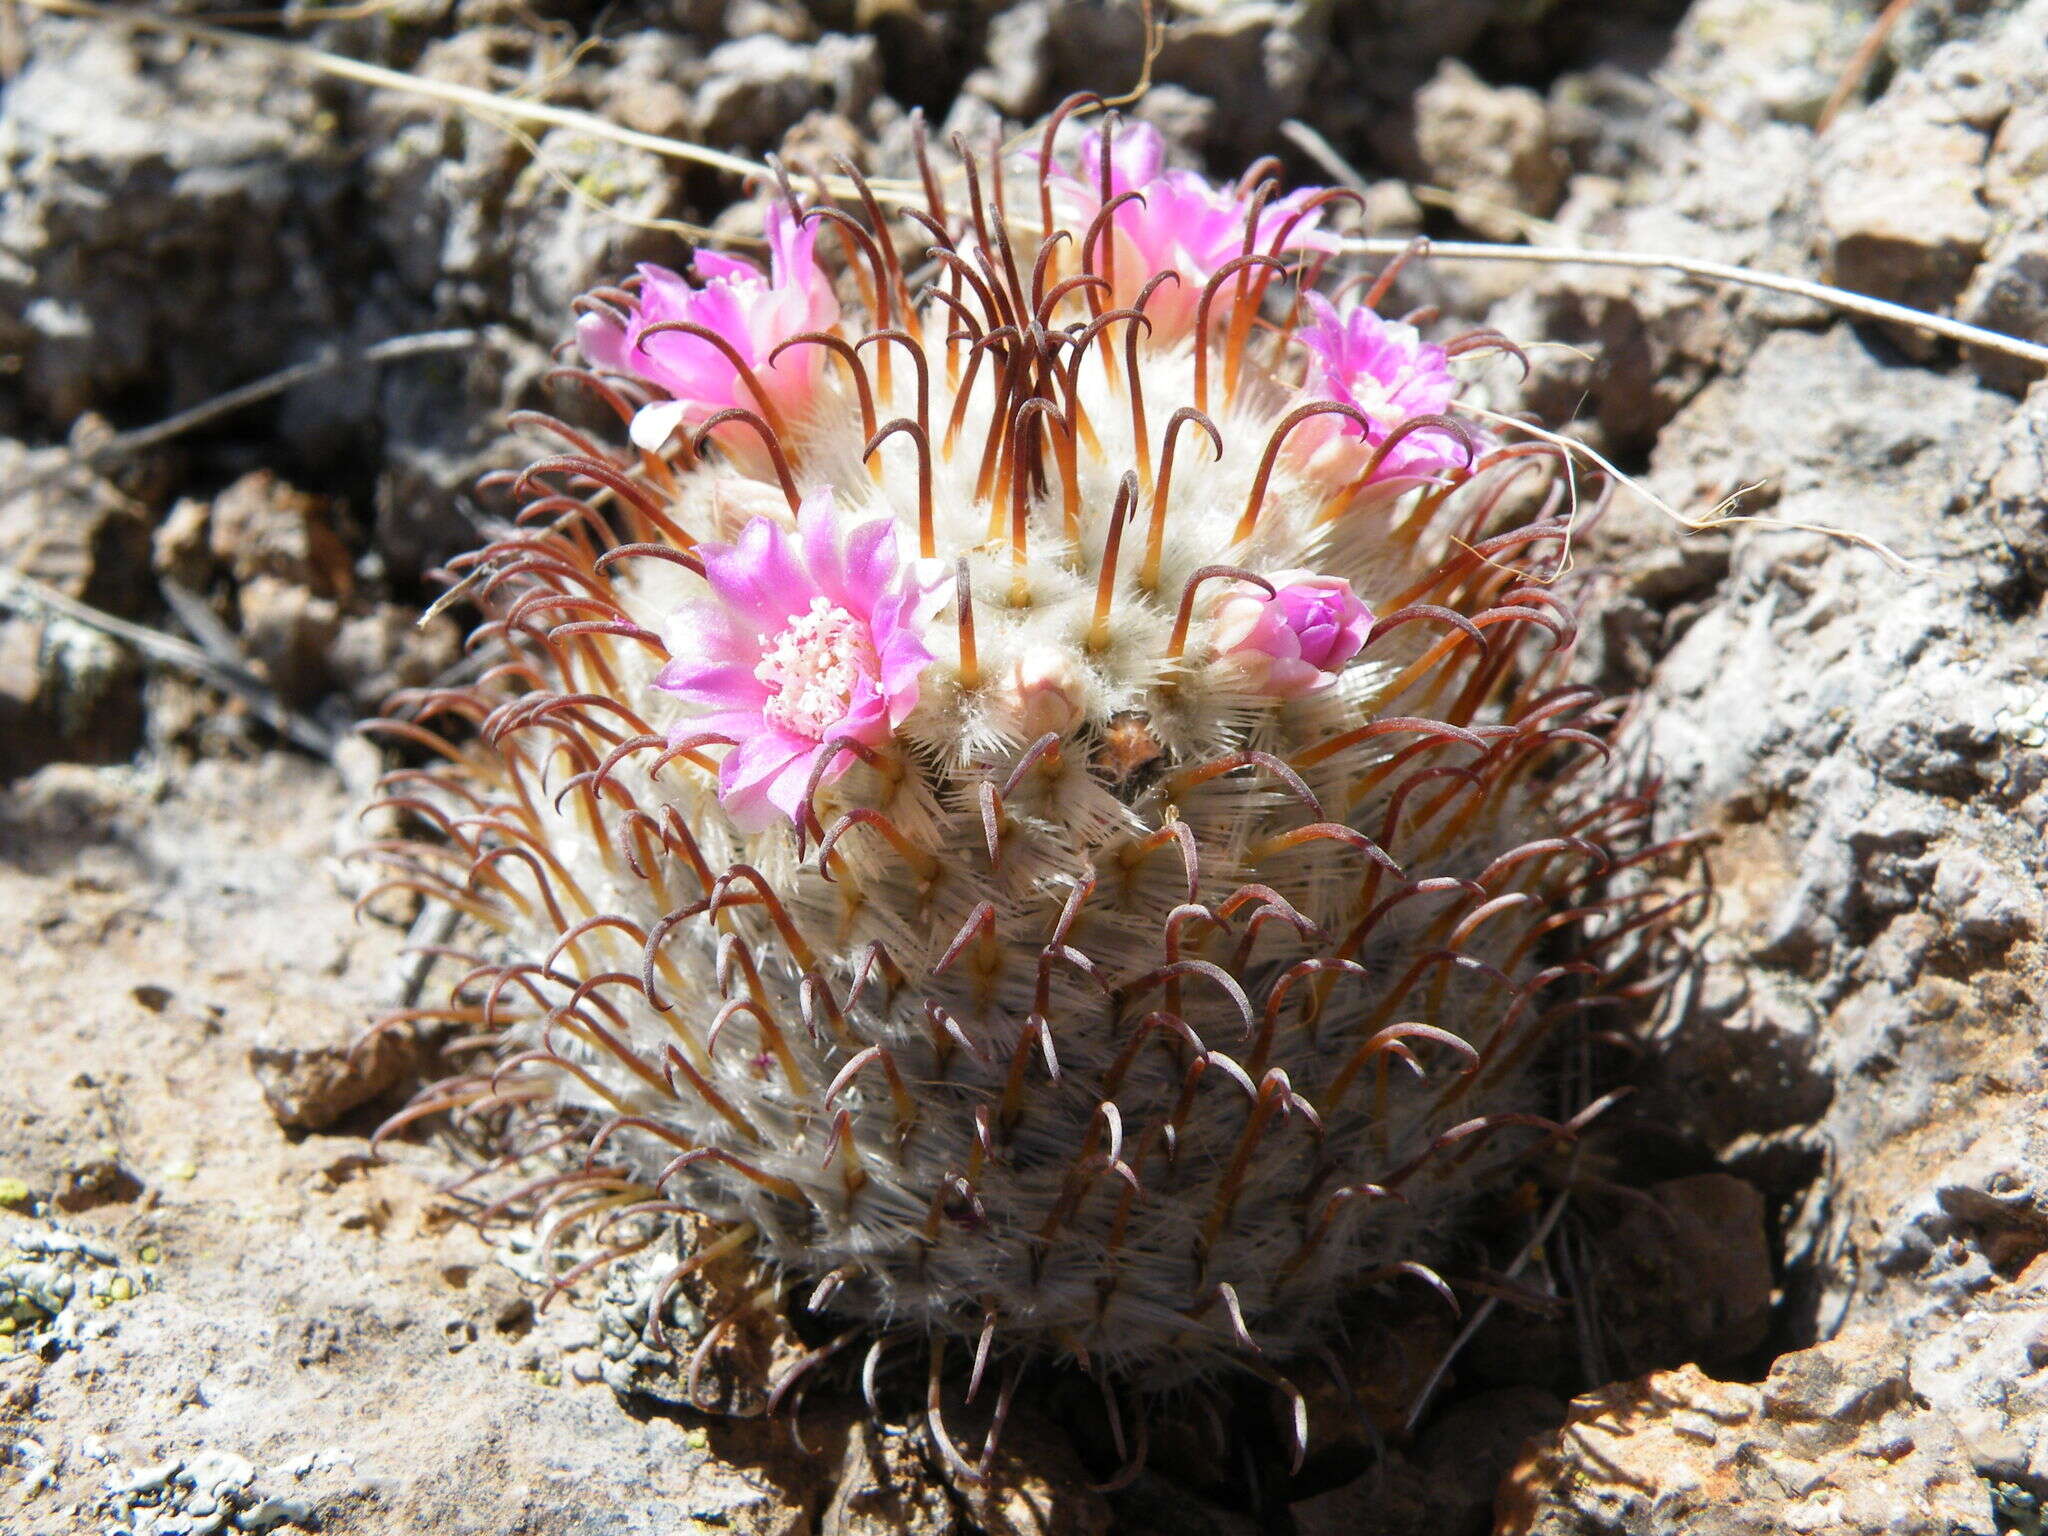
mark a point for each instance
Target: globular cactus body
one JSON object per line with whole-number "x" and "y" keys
{"x": 1047, "y": 801}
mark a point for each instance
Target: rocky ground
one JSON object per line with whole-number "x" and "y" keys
{"x": 1805, "y": 1286}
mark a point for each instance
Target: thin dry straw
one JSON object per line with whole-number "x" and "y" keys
{"x": 335, "y": 64}
{"x": 1718, "y": 272}
{"x": 513, "y": 108}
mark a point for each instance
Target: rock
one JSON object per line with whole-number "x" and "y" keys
{"x": 426, "y": 500}
{"x": 1393, "y": 1498}
{"x": 580, "y": 213}
{"x": 259, "y": 526}
{"x": 757, "y": 87}
{"x": 1879, "y": 879}
{"x": 1396, "y": 50}
{"x": 815, "y": 146}
{"x": 286, "y": 630}
{"x": 644, "y": 89}
{"x": 1491, "y": 147}
{"x": 1639, "y": 345}
{"x": 1982, "y": 1368}
{"x": 1019, "y": 68}
{"x": 1833, "y": 1440}
{"x": 1444, "y": 1487}
{"x": 1984, "y": 904}
{"x": 137, "y": 172}
{"x": 1925, "y": 28}
{"x": 1982, "y": 1219}
{"x": 74, "y": 530}
{"x": 886, "y": 1488}
{"x": 2009, "y": 294}
{"x": 2016, "y": 173}
{"x": 1153, "y": 1506}
{"x": 1756, "y": 60}
{"x": 1901, "y": 203}
{"x": 1677, "y": 1273}
{"x": 1871, "y": 888}
{"x": 719, "y": 1347}
{"x": 289, "y": 1294}
{"x": 375, "y": 654}
{"x": 1037, "y": 1486}
{"x": 181, "y": 548}
{"x": 310, "y": 1088}
{"x": 1686, "y": 1277}
{"x": 433, "y": 176}
{"x": 1470, "y": 1444}
{"x": 1180, "y": 115}
{"x": 68, "y": 693}
{"x": 786, "y": 19}
{"x": 1254, "y": 62}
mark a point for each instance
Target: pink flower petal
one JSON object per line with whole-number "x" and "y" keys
{"x": 717, "y": 682}
{"x": 603, "y": 343}
{"x": 711, "y": 266}
{"x": 754, "y": 768}
{"x": 1181, "y": 222}
{"x": 786, "y": 790}
{"x": 868, "y": 565}
{"x": 1298, "y": 639}
{"x": 747, "y": 310}
{"x": 739, "y": 724}
{"x": 758, "y": 577}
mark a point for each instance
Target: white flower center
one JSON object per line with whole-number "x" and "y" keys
{"x": 813, "y": 668}
{"x": 1374, "y": 400}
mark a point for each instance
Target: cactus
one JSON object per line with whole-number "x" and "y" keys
{"x": 1046, "y": 798}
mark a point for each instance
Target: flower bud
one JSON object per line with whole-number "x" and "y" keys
{"x": 1295, "y": 641}
{"x": 1040, "y": 691}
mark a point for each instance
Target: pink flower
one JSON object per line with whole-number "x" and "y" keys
{"x": 1390, "y": 374}
{"x": 1183, "y": 224}
{"x": 750, "y": 312}
{"x": 1295, "y": 641}
{"x": 804, "y": 642}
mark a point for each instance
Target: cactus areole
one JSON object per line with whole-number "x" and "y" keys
{"x": 1041, "y": 789}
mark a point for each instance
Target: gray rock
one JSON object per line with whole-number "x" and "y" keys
{"x": 717, "y": 1349}
{"x": 134, "y": 182}
{"x": 1019, "y": 68}
{"x": 1639, "y": 345}
{"x": 756, "y": 88}
{"x": 2009, "y": 294}
{"x": 1256, "y": 61}
{"x": 376, "y": 653}
{"x": 647, "y": 87}
{"x": 1899, "y": 200}
{"x": 1754, "y": 60}
{"x": 1491, "y": 147}
{"x": 1859, "y": 734}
